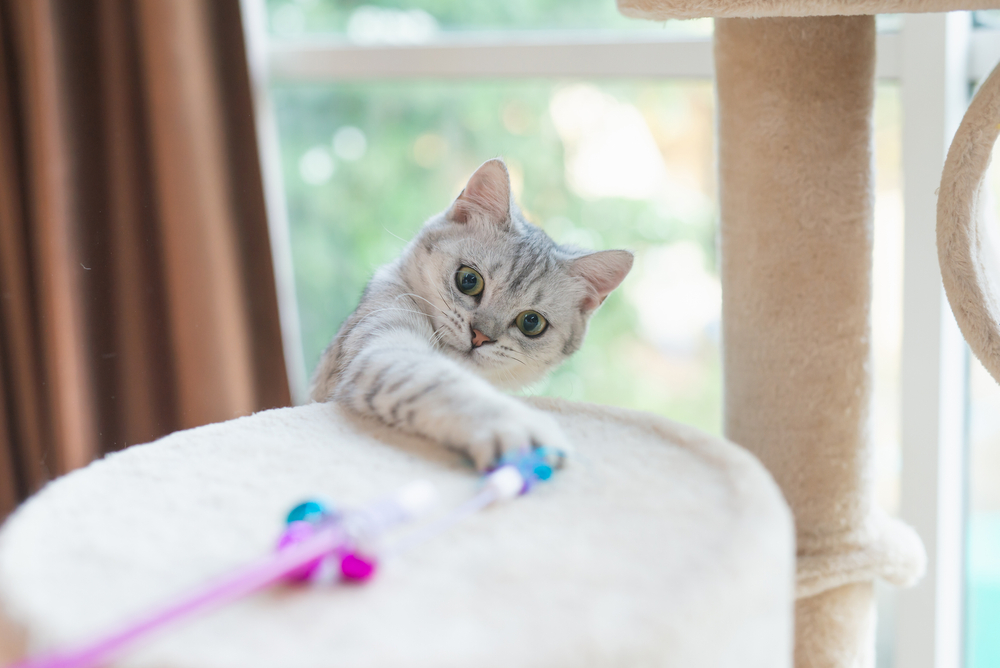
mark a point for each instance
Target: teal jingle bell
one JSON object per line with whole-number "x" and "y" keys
{"x": 311, "y": 511}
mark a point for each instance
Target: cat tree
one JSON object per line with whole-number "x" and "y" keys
{"x": 659, "y": 545}
{"x": 795, "y": 96}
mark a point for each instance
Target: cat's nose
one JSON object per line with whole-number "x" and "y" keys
{"x": 478, "y": 338}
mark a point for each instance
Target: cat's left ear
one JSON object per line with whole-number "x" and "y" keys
{"x": 486, "y": 196}
{"x": 603, "y": 271}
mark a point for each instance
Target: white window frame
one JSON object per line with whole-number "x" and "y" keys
{"x": 940, "y": 57}
{"x": 934, "y": 57}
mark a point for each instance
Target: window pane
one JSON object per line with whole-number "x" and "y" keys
{"x": 887, "y": 329}
{"x": 887, "y": 296}
{"x": 627, "y": 164}
{"x": 987, "y": 18}
{"x": 418, "y": 21}
{"x": 983, "y": 546}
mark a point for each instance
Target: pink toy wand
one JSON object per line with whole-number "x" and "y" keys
{"x": 312, "y": 536}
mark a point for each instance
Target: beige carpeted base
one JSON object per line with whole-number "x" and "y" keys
{"x": 657, "y": 546}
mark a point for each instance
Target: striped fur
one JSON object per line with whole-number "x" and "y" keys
{"x": 406, "y": 357}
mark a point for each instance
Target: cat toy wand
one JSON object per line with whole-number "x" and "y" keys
{"x": 314, "y": 537}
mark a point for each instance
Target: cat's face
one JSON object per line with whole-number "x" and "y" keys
{"x": 503, "y": 298}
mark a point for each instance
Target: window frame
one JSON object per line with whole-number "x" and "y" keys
{"x": 936, "y": 58}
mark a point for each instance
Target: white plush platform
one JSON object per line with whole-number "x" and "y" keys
{"x": 656, "y": 546}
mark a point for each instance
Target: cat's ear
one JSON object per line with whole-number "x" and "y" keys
{"x": 603, "y": 272}
{"x": 486, "y": 195}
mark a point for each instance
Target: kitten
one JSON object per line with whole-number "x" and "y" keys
{"x": 480, "y": 299}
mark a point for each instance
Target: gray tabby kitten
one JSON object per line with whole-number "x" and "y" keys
{"x": 479, "y": 300}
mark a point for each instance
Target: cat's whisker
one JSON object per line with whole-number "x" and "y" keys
{"x": 511, "y": 358}
{"x": 436, "y": 339}
{"x": 391, "y": 233}
{"x": 508, "y": 373}
{"x": 513, "y": 380}
{"x": 451, "y": 328}
{"x": 450, "y": 323}
{"x": 455, "y": 319}
{"x": 387, "y": 308}
{"x": 447, "y": 311}
{"x": 443, "y": 300}
{"x": 410, "y": 294}
{"x": 511, "y": 353}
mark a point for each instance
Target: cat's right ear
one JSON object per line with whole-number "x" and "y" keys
{"x": 486, "y": 195}
{"x": 602, "y": 271}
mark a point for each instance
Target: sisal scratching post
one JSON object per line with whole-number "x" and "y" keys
{"x": 795, "y": 135}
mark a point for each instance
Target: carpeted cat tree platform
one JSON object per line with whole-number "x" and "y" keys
{"x": 658, "y": 546}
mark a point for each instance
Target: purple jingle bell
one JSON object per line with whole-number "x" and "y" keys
{"x": 357, "y": 568}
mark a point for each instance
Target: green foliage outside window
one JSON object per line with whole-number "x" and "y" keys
{"x": 366, "y": 164}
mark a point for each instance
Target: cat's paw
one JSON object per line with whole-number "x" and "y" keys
{"x": 516, "y": 429}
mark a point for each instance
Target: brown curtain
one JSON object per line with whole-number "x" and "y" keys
{"x": 137, "y": 294}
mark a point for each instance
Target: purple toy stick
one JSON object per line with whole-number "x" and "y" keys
{"x": 246, "y": 581}
{"x": 303, "y": 547}
{"x": 298, "y": 553}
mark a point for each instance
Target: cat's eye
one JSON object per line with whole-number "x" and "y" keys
{"x": 531, "y": 323}
{"x": 469, "y": 281}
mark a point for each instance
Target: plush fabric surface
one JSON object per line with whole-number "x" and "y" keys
{"x": 657, "y": 546}
{"x": 968, "y": 247}
{"x": 660, "y": 10}
{"x": 795, "y": 101}
{"x": 836, "y": 628}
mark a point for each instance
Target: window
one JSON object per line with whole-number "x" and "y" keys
{"x": 372, "y": 115}
{"x": 608, "y": 164}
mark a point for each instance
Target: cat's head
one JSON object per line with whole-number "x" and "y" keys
{"x": 503, "y": 297}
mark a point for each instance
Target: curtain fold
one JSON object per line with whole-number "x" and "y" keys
{"x": 137, "y": 292}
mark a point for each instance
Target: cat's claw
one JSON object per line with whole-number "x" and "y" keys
{"x": 554, "y": 457}
{"x": 515, "y": 431}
